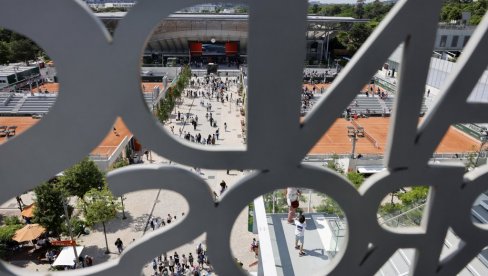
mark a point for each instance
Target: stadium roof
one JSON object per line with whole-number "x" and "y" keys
{"x": 233, "y": 17}
{"x": 174, "y": 32}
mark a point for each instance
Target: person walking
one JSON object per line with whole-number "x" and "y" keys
{"x": 171, "y": 264}
{"x": 120, "y": 245}
{"x": 190, "y": 259}
{"x": 300, "y": 234}
{"x": 223, "y": 187}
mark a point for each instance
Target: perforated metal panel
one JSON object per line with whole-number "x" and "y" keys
{"x": 83, "y": 50}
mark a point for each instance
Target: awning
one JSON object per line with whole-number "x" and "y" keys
{"x": 28, "y": 233}
{"x": 370, "y": 169}
{"x": 67, "y": 256}
{"x": 28, "y": 211}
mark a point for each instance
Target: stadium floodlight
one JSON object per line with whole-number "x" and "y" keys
{"x": 360, "y": 132}
{"x": 354, "y": 134}
{"x": 351, "y": 132}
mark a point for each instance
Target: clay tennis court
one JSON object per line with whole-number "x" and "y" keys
{"x": 106, "y": 147}
{"x": 53, "y": 87}
{"x": 335, "y": 139}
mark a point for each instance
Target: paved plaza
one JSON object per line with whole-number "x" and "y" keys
{"x": 160, "y": 203}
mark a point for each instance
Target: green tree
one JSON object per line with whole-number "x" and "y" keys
{"x": 101, "y": 207}
{"x": 49, "y": 209}
{"x": 82, "y": 177}
{"x": 167, "y": 104}
{"x": 359, "y": 11}
{"x": 330, "y": 206}
{"x": 5, "y": 53}
{"x": 356, "y": 178}
{"x": 119, "y": 163}
{"x": 416, "y": 194}
{"x": 314, "y": 9}
{"x": 389, "y": 209}
{"x": 7, "y": 232}
{"x": 24, "y": 50}
{"x": 355, "y": 37}
{"x": 242, "y": 9}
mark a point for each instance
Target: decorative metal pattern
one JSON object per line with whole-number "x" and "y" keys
{"x": 85, "y": 53}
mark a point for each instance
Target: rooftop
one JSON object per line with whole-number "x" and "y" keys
{"x": 10, "y": 70}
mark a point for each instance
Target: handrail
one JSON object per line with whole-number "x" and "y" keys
{"x": 402, "y": 214}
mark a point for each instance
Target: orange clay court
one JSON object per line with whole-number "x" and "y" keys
{"x": 106, "y": 147}
{"x": 335, "y": 139}
{"x": 53, "y": 87}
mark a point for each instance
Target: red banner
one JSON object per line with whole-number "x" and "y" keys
{"x": 231, "y": 48}
{"x": 63, "y": 243}
{"x": 196, "y": 48}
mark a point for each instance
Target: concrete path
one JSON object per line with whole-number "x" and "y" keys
{"x": 141, "y": 205}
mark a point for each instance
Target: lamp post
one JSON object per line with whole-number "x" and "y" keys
{"x": 65, "y": 206}
{"x": 327, "y": 48}
{"x": 123, "y": 209}
{"x": 354, "y": 134}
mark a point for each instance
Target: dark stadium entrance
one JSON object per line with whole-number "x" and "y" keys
{"x": 223, "y": 54}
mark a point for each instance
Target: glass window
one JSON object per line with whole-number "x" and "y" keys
{"x": 454, "y": 41}
{"x": 443, "y": 41}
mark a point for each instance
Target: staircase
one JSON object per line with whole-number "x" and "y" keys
{"x": 19, "y": 104}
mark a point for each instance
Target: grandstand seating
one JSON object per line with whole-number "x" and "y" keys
{"x": 148, "y": 98}
{"x": 366, "y": 103}
{"x": 8, "y": 101}
{"x": 37, "y": 104}
{"x": 390, "y": 101}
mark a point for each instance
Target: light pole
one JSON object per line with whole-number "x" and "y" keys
{"x": 354, "y": 134}
{"x": 327, "y": 48}
{"x": 65, "y": 205}
{"x": 123, "y": 209}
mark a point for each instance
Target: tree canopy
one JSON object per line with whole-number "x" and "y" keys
{"x": 101, "y": 206}
{"x": 17, "y": 48}
{"x": 452, "y": 10}
{"x": 7, "y": 231}
{"x": 167, "y": 104}
{"x": 355, "y": 37}
{"x": 49, "y": 209}
{"x": 82, "y": 177}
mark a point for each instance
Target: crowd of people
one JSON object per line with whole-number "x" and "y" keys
{"x": 207, "y": 92}
{"x": 371, "y": 92}
{"x": 318, "y": 76}
{"x": 174, "y": 265}
{"x": 308, "y": 98}
{"x": 206, "y": 89}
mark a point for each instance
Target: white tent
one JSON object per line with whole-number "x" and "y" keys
{"x": 67, "y": 256}
{"x": 370, "y": 169}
